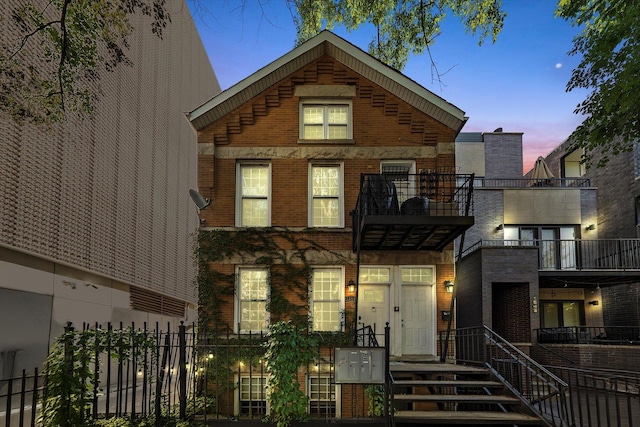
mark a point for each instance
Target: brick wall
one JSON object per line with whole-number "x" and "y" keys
{"x": 511, "y": 314}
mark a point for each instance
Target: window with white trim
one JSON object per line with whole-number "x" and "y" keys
{"x": 253, "y": 395}
{"x": 326, "y": 303}
{"x": 253, "y": 195}
{"x": 402, "y": 174}
{"x": 252, "y": 289}
{"x": 322, "y": 396}
{"x": 321, "y": 119}
{"x": 326, "y": 206}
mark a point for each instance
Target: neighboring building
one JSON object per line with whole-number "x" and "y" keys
{"x": 535, "y": 266}
{"x": 329, "y": 162}
{"x": 618, "y": 200}
{"x": 96, "y": 224}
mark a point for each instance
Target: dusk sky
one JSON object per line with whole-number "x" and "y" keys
{"x": 518, "y": 83}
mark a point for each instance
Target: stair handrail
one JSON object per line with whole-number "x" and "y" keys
{"x": 541, "y": 391}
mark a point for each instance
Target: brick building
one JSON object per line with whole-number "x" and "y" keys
{"x": 536, "y": 266}
{"x": 329, "y": 164}
{"x": 96, "y": 224}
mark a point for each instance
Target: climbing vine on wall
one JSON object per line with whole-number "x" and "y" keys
{"x": 288, "y": 255}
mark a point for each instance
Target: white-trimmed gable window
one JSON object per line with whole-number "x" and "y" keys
{"x": 251, "y": 299}
{"x": 253, "y": 195}
{"x": 326, "y": 301}
{"x": 402, "y": 174}
{"x": 326, "y": 206}
{"x": 325, "y": 119}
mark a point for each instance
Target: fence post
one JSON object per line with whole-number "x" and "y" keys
{"x": 387, "y": 382}
{"x": 68, "y": 359}
{"x": 182, "y": 366}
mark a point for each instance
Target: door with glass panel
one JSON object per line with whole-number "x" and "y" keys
{"x": 373, "y": 300}
{"x": 417, "y": 311}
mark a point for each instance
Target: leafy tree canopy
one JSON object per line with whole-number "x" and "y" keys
{"x": 51, "y": 52}
{"x": 403, "y": 26}
{"x": 609, "y": 44}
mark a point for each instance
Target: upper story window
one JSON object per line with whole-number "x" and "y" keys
{"x": 326, "y": 304}
{"x": 572, "y": 167}
{"x": 402, "y": 174}
{"x": 326, "y": 195}
{"x": 253, "y": 204}
{"x": 251, "y": 299}
{"x": 325, "y": 119}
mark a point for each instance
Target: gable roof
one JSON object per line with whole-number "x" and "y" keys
{"x": 327, "y": 43}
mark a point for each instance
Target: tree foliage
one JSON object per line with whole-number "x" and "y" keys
{"x": 609, "y": 44}
{"x": 50, "y": 65}
{"x": 403, "y": 27}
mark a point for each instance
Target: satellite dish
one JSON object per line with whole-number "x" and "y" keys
{"x": 197, "y": 198}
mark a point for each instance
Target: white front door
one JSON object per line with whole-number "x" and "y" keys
{"x": 373, "y": 309}
{"x": 417, "y": 319}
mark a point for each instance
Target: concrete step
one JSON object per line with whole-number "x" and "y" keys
{"x": 457, "y": 398}
{"x": 447, "y": 383}
{"x": 465, "y": 417}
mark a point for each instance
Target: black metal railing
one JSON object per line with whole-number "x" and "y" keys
{"x": 601, "y": 397}
{"x": 539, "y": 389}
{"x": 425, "y": 194}
{"x": 576, "y": 254}
{"x": 527, "y": 182}
{"x": 601, "y": 335}
{"x": 216, "y": 373}
{"x": 159, "y": 377}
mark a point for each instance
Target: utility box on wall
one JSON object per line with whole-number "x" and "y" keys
{"x": 359, "y": 365}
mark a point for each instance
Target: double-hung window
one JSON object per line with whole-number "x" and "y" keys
{"x": 325, "y": 120}
{"x": 326, "y": 306}
{"x": 326, "y": 195}
{"x": 252, "y": 289}
{"x": 253, "y": 195}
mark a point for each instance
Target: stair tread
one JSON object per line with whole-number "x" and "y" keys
{"x": 443, "y": 383}
{"x": 467, "y": 417}
{"x": 480, "y": 398}
{"x": 435, "y": 368}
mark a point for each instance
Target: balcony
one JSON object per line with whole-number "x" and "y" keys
{"x": 563, "y": 262}
{"x": 402, "y": 211}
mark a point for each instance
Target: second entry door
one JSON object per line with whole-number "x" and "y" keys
{"x": 373, "y": 308}
{"x": 417, "y": 320}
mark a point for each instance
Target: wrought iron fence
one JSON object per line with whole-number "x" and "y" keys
{"x": 207, "y": 373}
{"x": 147, "y": 381}
{"x": 601, "y": 397}
{"x": 607, "y": 335}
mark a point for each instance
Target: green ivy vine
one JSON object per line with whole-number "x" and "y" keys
{"x": 285, "y": 252}
{"x": 70, "y": 370}
{"x": 287, "y": 349}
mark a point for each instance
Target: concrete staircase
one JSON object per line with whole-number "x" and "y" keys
{"x": 444, "y": 393}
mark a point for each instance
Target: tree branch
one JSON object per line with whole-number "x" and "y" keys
{"x": 63, "y": 49}
{"x": 26, "y": 38}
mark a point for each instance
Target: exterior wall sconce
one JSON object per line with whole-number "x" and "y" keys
{"x": 591, "y": 227}
{"x": 351, "y": 287}
{"x": 448, "y": 286}
{"x": 500, "y": 227}
{"x": 594, "y": 302}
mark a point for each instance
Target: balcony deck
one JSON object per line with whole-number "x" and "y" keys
{"x": 566, "y": 262}
{"x": 425, "y": 211}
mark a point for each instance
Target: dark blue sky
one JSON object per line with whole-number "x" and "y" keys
{"x": 518, "y": 83}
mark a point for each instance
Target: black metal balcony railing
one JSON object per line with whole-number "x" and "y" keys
{"x": 398, "y": 210}
{"x": 577, "y": 254}
{"x": 527, "y": 182}
{"x": 612, "y": 335}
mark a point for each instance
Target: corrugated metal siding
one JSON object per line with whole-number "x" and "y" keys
{"x": 110, "y": 194}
